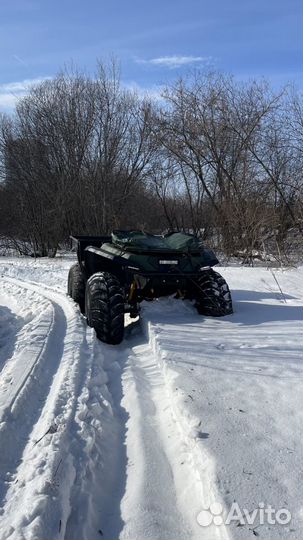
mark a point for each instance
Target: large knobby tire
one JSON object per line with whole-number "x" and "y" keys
{"x": 76, "y": 285}
{"x": 213, "y": 295}
{"x": 104, "y": 307}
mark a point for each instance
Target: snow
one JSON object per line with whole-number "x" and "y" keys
{"x": 135, "y": 441}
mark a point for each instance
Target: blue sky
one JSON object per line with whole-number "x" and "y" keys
{"x": 155, "y": 42}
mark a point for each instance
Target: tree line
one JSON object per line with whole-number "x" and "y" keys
{"x": 213, "y": 156}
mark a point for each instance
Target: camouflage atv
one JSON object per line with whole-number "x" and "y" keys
{"x": 114, "y": 274}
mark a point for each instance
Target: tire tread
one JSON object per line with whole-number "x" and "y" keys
{"x": 213, "y": 296}
{"x": 104, "y": 307}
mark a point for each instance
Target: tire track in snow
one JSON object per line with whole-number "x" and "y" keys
{"x": 39, "y": 433}
{"x": 152, "y": 506}
{"x": 13, "y": 395}
{"x": 100, "y": 481}
{"x": 200, "y": 463}
{"x": 172, "y": 491}
{"x": 157, "y": 491}
{"x": 18, "y": 379}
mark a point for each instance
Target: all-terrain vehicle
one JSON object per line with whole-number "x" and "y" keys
{"x": 114, "y": 274}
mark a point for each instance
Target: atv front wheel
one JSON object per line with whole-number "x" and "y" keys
{"x": 104, "y": 307}
{"x": 213, "y": 295}
{"x": 76, "y": 285}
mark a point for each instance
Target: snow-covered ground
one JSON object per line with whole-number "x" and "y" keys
{"x": 190, "y": 420}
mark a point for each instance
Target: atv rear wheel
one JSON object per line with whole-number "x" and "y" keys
{"x": 104, "y": 307}
{"x": 76, "y": 286}
{"x": 213, "y": 295}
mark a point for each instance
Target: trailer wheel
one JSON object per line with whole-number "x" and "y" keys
{"x": 76, "y": 286}
{"x": 213, "y": 295}
{"x": 104, "y": 307}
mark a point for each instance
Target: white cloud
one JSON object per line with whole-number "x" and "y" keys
{"x": 7, "y": 101}
{"x": 174, "y": 62}
{"x": 11, "y": 92}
